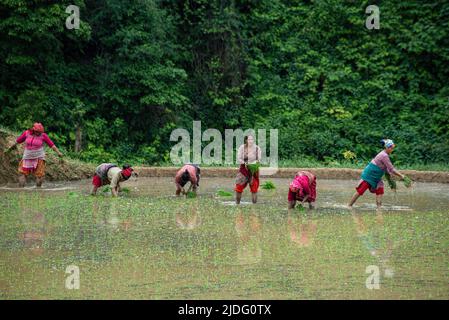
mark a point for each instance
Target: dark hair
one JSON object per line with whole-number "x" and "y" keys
{"x": 185, "y": 178}
{"x": 245, "y": 138}
{"x": 126, "y": 166}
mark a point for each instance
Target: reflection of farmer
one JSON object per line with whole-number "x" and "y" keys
{"x": 188, "y": 173}
{"x": 379, "y": 248}
{"x": 33, "y": 159}
{"x": 35, "y": 225}
{"x": 248, "y": 156}
{"x": 187, "y": 217}
{"x": 302, "y": 188}
{"x": 109, "y": 173}
{"x": 373, "y": 173}
{"x": 307, "y": 230}
{"x": 248, "y": 229}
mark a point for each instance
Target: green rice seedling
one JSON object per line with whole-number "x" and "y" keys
{"x": 391, "y": 182}
{"x": 223, "y": 193}
{"x": 253, "y": 168}
{"x": 407, "y": 182}
{"x": 126, "y": 190}
{"x": 268, "y": 185}
{"x": 191, "y": 195}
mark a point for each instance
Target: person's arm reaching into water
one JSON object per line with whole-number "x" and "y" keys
{"x": 115, "y": 184}
{"x": 193, "y": 181}
{"x": 179, "y": 188}
{"x": 390, "y": 168}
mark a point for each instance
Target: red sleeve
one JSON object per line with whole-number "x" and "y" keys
{"x": 47, "y": 140}
{"x": 22, "y": 137}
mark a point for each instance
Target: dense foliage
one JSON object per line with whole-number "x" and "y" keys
{"x": 135, "y": 70}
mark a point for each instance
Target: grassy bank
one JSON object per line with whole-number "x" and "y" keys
{"x": 334, "y": 164}
{"x": 56, "y": 170}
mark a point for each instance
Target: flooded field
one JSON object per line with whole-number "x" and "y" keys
{"x": 149, "y": 244}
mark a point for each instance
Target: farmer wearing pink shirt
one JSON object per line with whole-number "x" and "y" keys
{"x": 188, "y": 173}
{"x": 33, "y": 159}
{"x": 372, "y": 174}
{"x": 302, "y": 188}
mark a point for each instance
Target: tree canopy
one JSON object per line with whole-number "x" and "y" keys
{"x": 136, "y": 70}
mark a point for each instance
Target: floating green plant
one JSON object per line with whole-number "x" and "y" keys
{"x": 126, "y": 190}
{"x": 73, "y": 194}
{"x": 268, "y": 185}
{"x": 223, "y": 193}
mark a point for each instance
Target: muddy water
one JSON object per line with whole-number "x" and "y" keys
{"x": 149, "y": 244}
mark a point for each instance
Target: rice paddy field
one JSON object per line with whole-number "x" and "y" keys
{"x": 149, "y": 244}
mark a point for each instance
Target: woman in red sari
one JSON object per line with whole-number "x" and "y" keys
{"x": 303, "y": 189}
{"x": 248, "y": 154}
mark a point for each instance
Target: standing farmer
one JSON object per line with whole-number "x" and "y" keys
{"x": 248, "y": 156}
{"x": 33, "y": 159}
{"x": 109, "y": 173}
{"x": 373, "y": 173}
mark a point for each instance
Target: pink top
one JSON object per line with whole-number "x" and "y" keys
{"x": 382, "y": 160}
{"x": 192, "y": 172}
{"x": 301, "y": 182}
{"x": 33, "y": 142}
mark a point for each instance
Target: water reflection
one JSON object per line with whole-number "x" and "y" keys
{"x": 34, "y": 223}
{"x": 301, "y": 228}
{"x": 376, "y": 240}
{"x": 248, "y": 226}
{"x": 187, "y": 215}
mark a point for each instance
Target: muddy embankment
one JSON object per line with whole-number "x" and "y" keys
{"x": 321, "y": 173}
{"x": 55, "y": 169}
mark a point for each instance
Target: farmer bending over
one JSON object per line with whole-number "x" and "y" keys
{"x": 303, "y": 189}
{"x": 188, "y": 173}
{"x": 109, "y": 173}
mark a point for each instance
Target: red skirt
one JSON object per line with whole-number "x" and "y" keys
{"x": 244, "y": 177}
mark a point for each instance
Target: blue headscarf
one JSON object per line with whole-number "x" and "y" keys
{"x": 388, "y": 143}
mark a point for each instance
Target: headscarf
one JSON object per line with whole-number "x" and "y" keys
{"x": 296, "y": 186}
{"x": 388, "y": 143}
{"x": 126, "y": 172}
